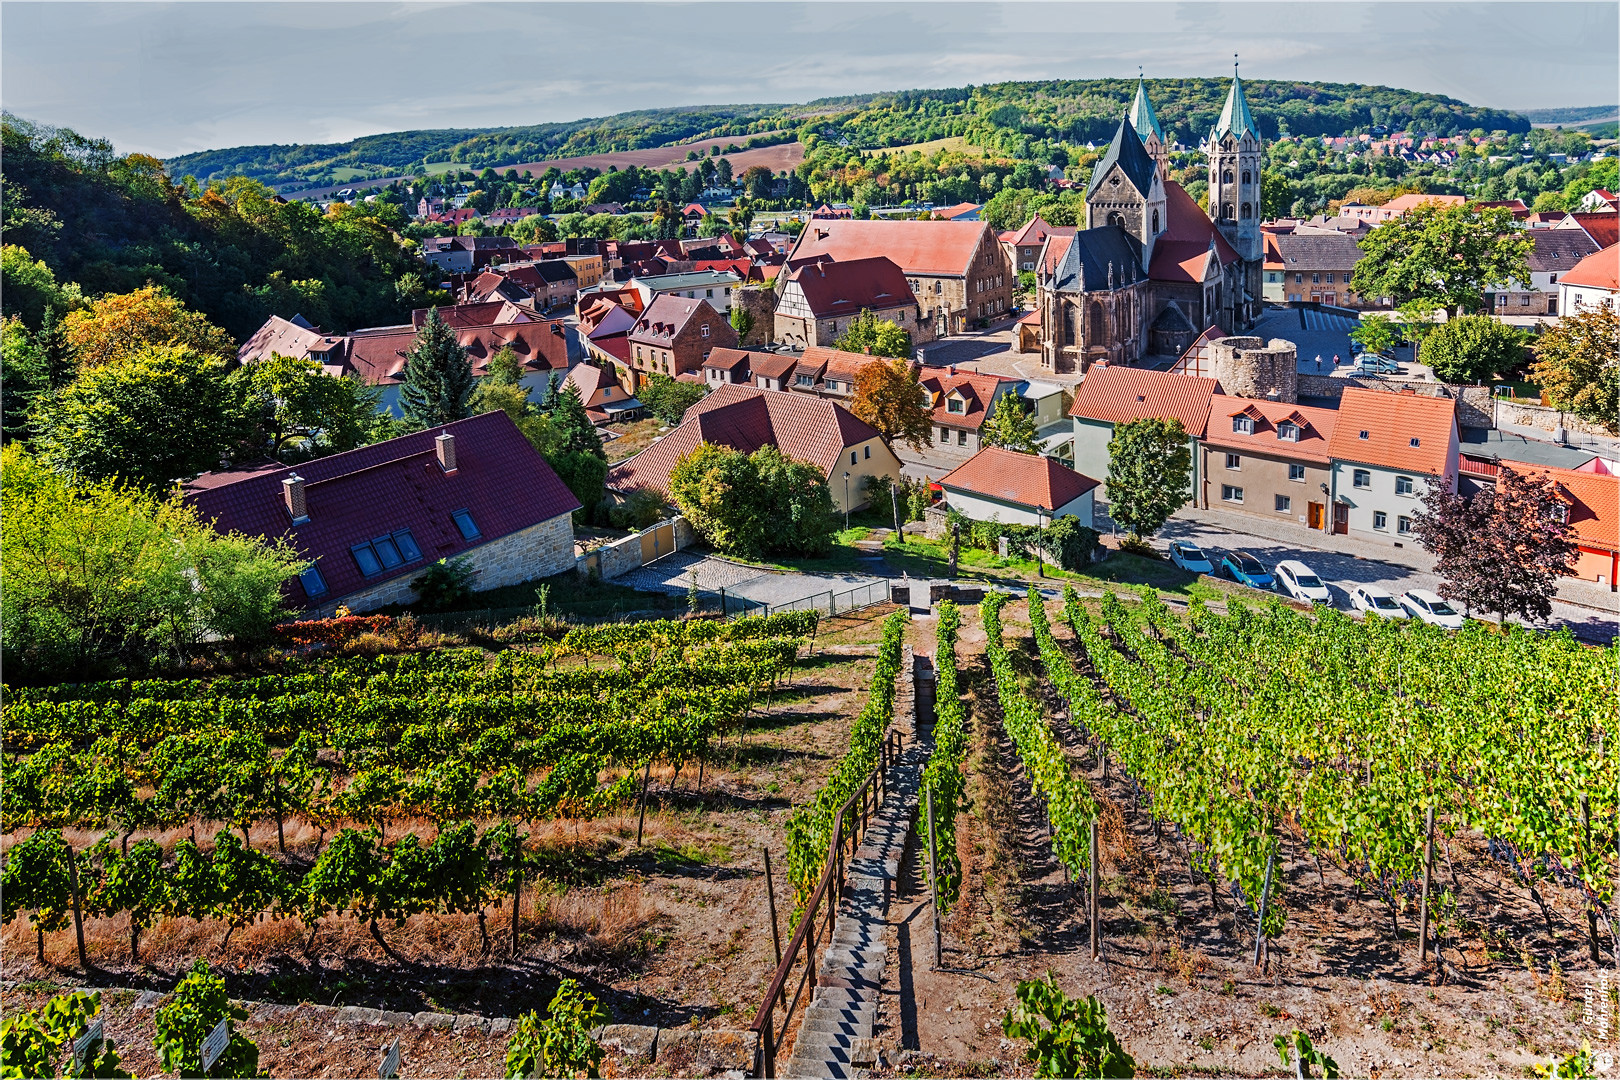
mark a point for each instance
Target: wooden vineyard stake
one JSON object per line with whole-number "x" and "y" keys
{"x": 1428, "y": 867}
{"x": 389, "y": 1069}
{"x": 641, "y": 818}
{"x": 1265, "y": 899}
{"x": 933, "y": 878}
{"x": 770, "y": 893}
{"x": 1096, "y": 946}
{"x": 1591, "y": 906}
{"x": 78, "y": 917}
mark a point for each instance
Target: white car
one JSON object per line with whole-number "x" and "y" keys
{"x": 1432, "y": 609}
{"x": 1372, "y": 599}
{"x": 1300, "y": 581}
{"x": 1190, "y": 557}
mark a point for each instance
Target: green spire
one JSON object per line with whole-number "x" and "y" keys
{"x": 1236, "y": 118}
{"x": 1143, "y": 118}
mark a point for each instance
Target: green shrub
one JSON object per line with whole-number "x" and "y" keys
{"x": 561, "y": 1044}
{"x": 1073, "y": 1041}
{"x": 444, "y": 584}
{"x": 198, "y": 1005}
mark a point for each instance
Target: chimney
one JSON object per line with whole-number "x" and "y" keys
{"x": 292, "y": 491}
{"x": 445, "y": 446}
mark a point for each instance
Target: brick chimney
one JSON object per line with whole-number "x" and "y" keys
{"x": 292, "y": 491}
{"x": 445, "y": 446}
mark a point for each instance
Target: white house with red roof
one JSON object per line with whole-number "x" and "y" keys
{"x": 1109, "y": 396}
{"x": 1388, "y": 450}
{"x": 997, "y": 484}
{"x": 1592, "y": 283}
{"x": 818, "y": 298}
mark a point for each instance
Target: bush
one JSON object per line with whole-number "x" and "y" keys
{"x": 198, "y": 1005}
{"x": 333, "y": 631}
{"x": 668, "y": 399}
{"x": 1473, "y": 348}
{"x": 752, "y": 504}
{"x": 561, "y": 1044}
{"x": 1074, "y": 1041}
{"x": 444, "y": 584}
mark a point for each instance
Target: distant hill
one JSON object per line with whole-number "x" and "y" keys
{"x": 1576, "y": 115}
{"x": 1008, "y": 117}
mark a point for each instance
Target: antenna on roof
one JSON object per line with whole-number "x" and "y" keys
{"x": 1234, "y": 65}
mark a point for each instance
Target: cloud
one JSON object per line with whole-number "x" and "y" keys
{"x": 174, "y": 78}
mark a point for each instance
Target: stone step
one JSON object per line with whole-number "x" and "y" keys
{"x": 859, "y": 959}
{"x": 823, "y": 1025}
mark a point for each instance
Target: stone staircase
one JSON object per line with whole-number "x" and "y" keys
{"x": 837, "y": 1035}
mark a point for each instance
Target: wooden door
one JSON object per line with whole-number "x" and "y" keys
{"x": 1315, "y": 516}
{"x": 1341, "y": 518}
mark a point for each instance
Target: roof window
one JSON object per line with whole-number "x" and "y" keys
{"x": 1363, "y": 435}
{"x": 312, "y": 581}
{"x": 1413, "y": 441}
{"x": 464, "y": 521}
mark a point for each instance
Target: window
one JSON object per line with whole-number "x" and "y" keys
{"x": 944, "y": 435}
{"x": 1233, "y": 461}
{"x": 1226, "y": 177}
{"x": 1403, "y": 485}
{"x": 1299, "y": 279}
{"x": 1247, "y": 213}
{"x": 1296, "y": 472}
{"x": 366, "y": 559}
{"x": 1245, "y": 176}
{"x": 1380, "y": 520}
{"x": 805, "y": 380}
{"x": 961, "y": 438}
{"x": 1501, "y": 299}
{"x": 1524, "y": 299}
{"x": 1362, "y": 435}
{"x": 705, "y": 329}
{"x": 1403, "y": 524}
{"x": 1361, "y": 478}
{"x": 407, "y": 545}
{"x": 1316, "y": 279}
{"x": 1284, "y": 503}
{"x": 1414, "y": 442}
{"x": 868, "y": 453}
{"x": 1288, "y": 430}
{"x": 1231, "y": 494}
{"x": 1330, "y": 279}
{"x": 464, "y": 522}
{"x": 709, "y": 295}
{"x": 955, "y": 405}
{"x": 314, "y": 585}
{"x": 1243, "y": 425}
{"x": 854, "y": 458}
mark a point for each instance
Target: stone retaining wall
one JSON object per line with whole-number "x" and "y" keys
{"x": 1474, "y": 406}
{"x": 622, "y": 556}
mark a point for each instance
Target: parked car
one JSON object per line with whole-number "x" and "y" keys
{"x": 1245, "y": 569}
{"x": 1372, "y": 364}
{"x": 1190, "y": 557}
{"x": 1432, "y": 609}
{"x": 1372, "y": 599}
{"x": 1302, "y": 583}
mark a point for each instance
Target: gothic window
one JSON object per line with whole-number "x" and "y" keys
{"x": 1226, "y": 211}
{"x": 1226, "y": 177}
{"x": 1116, "y": 218}
{"x": 1099, "y": 325}
{"x": 1155, "y": 223}
{"x": 1074, "y": 326}
{"x": 1245, "y": 176}
{"x": 1246, "y": 213}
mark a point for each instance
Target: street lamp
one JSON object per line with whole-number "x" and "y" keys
{"x": 846, "y": 501}
{"x": 1327, "y": 510}
{"x": 1040, "y": 541}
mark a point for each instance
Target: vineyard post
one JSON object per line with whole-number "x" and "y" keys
{"x": 1591, "y": 906}
{"x": 933, "y": 877}
{"x": 1096, "y": 949}
{"x": 78, "y": 917}
{"x": 770, "y": 894}
{"x": 641, "y": 817}
{"x": 1428, "y": 868}
{"x": 1265, "y": 899}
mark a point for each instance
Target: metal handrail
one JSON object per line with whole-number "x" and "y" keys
{"x": 813, "y": 928}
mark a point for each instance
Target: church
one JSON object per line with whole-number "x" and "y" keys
{"x": 1151, "y": 271}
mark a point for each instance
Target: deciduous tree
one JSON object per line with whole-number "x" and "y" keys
{"x": 1449, "y": 254}
{"x": 869, "y": 334}
{"x": 668, "y": 399}
{"x": 1011, "y": 426}
{"x": 752, "y": 504}
{"x": 1577, "y": 365}
{"x": 300, "y": 408}
{"x": 1149, "y": 474}
{"x": 119, "y": 327}
{"x": 889, "y": 396}
{"x": 1504, "y": 549}
{"x": 1473, "y": 348}
{"x": 1375, "y": 334}
{"x": 438, "y": 378}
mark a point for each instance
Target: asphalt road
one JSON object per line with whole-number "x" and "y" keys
{"x": 1343, "y": 572}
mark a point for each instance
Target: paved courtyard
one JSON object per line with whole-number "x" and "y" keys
{"x": 675, "y": 575}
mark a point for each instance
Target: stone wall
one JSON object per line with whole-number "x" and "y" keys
{"x": 1252, "y": 368}
{"x": 539, "y": 551}
{"x": 760, "y": 303}
{"x": 622, "y": 556}
{"x": 1544, "y": 418}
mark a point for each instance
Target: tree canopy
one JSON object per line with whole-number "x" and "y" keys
{"x": 869, "y": 334}
{"x": 1577, "y": 365}
{"x": 438, "y": 378}
{"x": 1473, "y": 348}
{"x": 890, "y": 397}
{"x": 1449, "y": 254}
{"x": 667, "y": 398}
{"x": 750, "y": 505}
{"x": 1149, "y": 474}
{"x": 1011, "y": 426}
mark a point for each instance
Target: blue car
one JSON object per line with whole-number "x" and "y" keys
{"x": 1245, "y": 569}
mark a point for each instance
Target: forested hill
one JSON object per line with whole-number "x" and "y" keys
{"x": 1001, "y": 116}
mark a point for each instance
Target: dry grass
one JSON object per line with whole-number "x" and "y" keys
{"x": 606, "y": 925}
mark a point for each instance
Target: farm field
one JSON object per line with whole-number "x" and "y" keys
{"x": 370, "y": 807}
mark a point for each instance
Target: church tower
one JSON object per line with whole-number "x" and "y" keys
{"x": 1234, "y": 152}
{"x": 1146, "y": 123}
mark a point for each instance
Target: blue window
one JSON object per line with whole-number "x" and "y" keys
{"x": 407, "y": 545}
{"x": 464, "y": 522}
{"x": 387, "y": 552}
{"x": 314, "y": 585}
{"x": 366, "y": 559}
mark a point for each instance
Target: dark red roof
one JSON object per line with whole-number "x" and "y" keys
{"x": 849, "y": 287}
{"x": 1180, "y": 252}
{"x": 377, "y": 490}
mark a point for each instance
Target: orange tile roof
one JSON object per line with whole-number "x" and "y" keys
{"x": 1031, "y": 480}
{"x": 976, "y": 389}
{"x": 1119, "y": 395}
{"x": 1315, "y": 428}
{"x": 917, "y": 247}
{"x": 1599, "y": 270}
{"x": 1391, "y": 423}
{"x": 1594, "y": 502}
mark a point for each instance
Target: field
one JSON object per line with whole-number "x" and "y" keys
{"x": 954, "y": 142}
{"x": 1208, "y": 740}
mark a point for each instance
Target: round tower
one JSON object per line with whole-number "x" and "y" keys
{"x": 1254, "y": 368}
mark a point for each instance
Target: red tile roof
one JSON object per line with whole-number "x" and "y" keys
{"x": 1181, "y": 252}
{"x": 1593, "y": 500}
{"x": 1119, "y": 395}
{"x": 1391, "y": 422}
{"x": 1031, "y": 480}
{"x": 723, "y": 359}
{"x": 379, "y": 489}
{"x": 977, "y": 391}
{"x": 1604, "y": 227}
{"x": 1315, "y": 428}
{"x": 846, "y": 288}
{"x": 488, "y": 313}
{"x": 378, "y": 356}
{"x": 917, "y": 247}
{"x": 668, "y": 315}
{"x": 804, "y": 427}
{"x": 1599, "y": 270}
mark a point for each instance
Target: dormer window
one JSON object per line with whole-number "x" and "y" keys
{"x": 1413, "y": 442}
{"x": 1242, "y": 425}
{"x": 955, "y": 405}
{"x": 1288, "y": 430}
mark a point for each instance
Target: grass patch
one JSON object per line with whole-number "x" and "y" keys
{"x": 568, "y": 594}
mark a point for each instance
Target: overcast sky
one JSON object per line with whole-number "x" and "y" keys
{"x": 172, "y": 78}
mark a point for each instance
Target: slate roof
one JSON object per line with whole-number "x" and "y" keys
{"x": 939, "y": 248}
{"x": 1558, "y": 250}
{"x": 804, "y": 427}
{"x": 1118, "y": 395}
{"x": 1317, "y": 251}
{"x": 835, "y": 289}
{"x": 1085, "y": 265}
{"x": 1391, "y": 422}
{"x": 1031, "y": 480}
{"x": 380, "y": 489}
{"x": 1127, "y": 152}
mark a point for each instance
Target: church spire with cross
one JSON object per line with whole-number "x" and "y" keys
{"x": 1146, "y": 123}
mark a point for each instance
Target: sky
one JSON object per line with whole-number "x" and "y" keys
{"x": 171, "y": 78}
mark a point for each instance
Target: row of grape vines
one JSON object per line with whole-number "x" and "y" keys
{"x": 942, "y": 776}
{"x": 1255, "y": 724}
{"x": 1069, "y": 805}
{"x": 809, "y": 831}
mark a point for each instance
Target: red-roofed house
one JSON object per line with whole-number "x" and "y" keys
{"x": 819, "y": 298}
{"x": 1117, "y": 395}
{"x": 1593, "y": 509}
{"x": 674, "y": 335}
{"x": 1592, "y": 283}
{"x": 1003, "y": 485}
{"x": 1267, "y": 458}
{"x": 372, "y": 519}
{"x": 1600, "y": 201}
{"x": 1024, "y": 246}
{"x": 605, "y": 400}
{"x": 1388, "y": 450}
{"x": 955, "y": 268}
{"x": 805, "y": 428}
{"x": 1604, "y": 229}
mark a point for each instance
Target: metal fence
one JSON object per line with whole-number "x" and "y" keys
{"x": 828, "y": 602}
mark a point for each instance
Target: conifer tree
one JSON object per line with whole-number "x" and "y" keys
{"x": 438, "y": 378}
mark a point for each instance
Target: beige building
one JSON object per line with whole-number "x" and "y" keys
{"x": 588, "y": 270}
{"x": 1267, "y": 458}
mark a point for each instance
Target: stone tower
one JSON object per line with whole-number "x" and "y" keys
{"x": 1127, "y": 190}
{"x": 1235, "y": 161}
{"x": 1146, "y": 123}
{"x": 1252, "y": 368}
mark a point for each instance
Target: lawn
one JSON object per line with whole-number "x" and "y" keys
{"x": 634, "y": 437}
